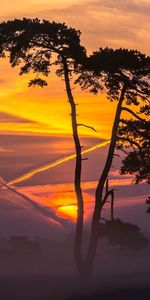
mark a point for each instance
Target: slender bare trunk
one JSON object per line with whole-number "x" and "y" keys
{"x": 100, "y": 187}
{"x": 112, "y": 206}
{"x": 77, "y": 180}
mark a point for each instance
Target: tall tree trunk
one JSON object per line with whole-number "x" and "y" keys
{"x": 100, "y": 187}
{"x": 112, "y": 206}
{"x": 77, "y": 179}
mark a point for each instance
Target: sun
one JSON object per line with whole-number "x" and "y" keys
{"x": 68, "y": 211}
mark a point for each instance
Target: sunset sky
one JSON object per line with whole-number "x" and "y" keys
{"x": 35, "y": 125}
{"x": 102, "y": 23}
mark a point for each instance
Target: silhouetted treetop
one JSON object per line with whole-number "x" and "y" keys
{"x": 37, "y": 45}
{"x": 32, "y": 42}
{"x": 118, "y": 60}
{"x": 110, "y": 69}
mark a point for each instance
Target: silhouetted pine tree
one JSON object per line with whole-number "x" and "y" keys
{"x": 32, "y": 44}
{"x": 124, "y": 75}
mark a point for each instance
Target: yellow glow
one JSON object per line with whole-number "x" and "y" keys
{"x": 68, "y": 211}
{"x": 47, "y": 110}
{"x": 49, "y": 106}
{"x": 61, "y": 199}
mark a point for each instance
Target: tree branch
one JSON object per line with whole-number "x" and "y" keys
{"x": 84, "y": 125}
{"x": 129, "y": 141}
{"x": 138, "y": 95}
{"x": 134, "y": 114}
{"x": 134, "y": 143}
{"x": 116, "y": 155}
{"x": 142, "y": 92}
{"x": 124, "y": 151}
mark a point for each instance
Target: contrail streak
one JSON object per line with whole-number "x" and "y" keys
{"x": 54, "y": 164}
{"x": 43, "y": 210}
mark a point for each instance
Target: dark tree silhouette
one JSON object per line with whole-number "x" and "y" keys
{"x": 135, "y": 137}
{"x": 126, "y": 235}
{"x": 148, "y": 203}
{"x": 32, "y": 44}
{"x": 124, "y": 74}
{"x": 136, "y": 145}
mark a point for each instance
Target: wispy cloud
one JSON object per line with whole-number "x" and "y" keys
{"x": 6, "y": 150}
{"x": 103, "y": 22}
{"x": 111, "y": 23}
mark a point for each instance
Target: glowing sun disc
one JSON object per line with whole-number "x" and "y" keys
{"x": 68, "y": 211}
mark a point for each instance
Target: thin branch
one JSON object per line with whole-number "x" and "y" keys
{"x": 138, "y": 95}
{"x": 107, "y": 194}
{"x": 107, "y": 185}
{"x": 129, "y": 141}
{"x": 103, "y": 219}
{"x": 142, "y": 92}
{"x": 133, "y": 113}
{"x": 124, "y": 151}
{"x": 84, "y": 125}
{"x": 116, "y": 155}
{"x": 133, "y": 143}
{"x": 126, "y": 123}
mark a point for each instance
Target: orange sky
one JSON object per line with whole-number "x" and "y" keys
{"x": 36, "y": 111}
{"x": 46, "y": 111}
